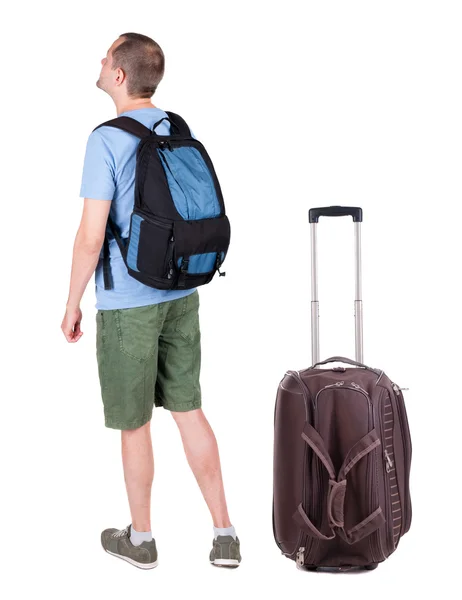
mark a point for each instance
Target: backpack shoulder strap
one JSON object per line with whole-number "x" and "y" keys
{"x": 180, "y": 123}
{"x": 127, "y": 124}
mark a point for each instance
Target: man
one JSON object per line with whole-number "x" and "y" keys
{"x": 148, "y": 340}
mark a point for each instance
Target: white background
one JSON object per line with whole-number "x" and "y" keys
{"x": 299, "y": 104}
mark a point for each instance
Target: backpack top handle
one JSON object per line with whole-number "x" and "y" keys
{"x": 172, "y": 125}
{"x": 180, "y": 123}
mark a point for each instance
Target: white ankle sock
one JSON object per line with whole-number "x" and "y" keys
{"x": 224, "y": 531}
{"x": 138, "y": 537}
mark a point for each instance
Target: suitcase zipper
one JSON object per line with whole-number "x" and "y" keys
{"x": 295, "y": 375}
{"x": 388, "y": 465}
{"x": 388, "y": 461}
{"x": 326, "y": 387}
{"x": 358, "y": 387}
{"x": 304, "y": 542}
{"x": 352, "y": 386}
{"x": 375, "y": 543}
{"x": 405, "y": 502}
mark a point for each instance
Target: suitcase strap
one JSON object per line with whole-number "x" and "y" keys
{"x": 337, "y": 489}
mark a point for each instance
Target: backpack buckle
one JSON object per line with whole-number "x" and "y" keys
{"x": 184, "y": 265}
{"x": 183, "y": 272}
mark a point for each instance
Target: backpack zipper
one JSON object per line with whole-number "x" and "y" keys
{"x": 169, "y": 256}
{"x": 147, "y": 146}
{"x": 206, "y": 158}
{"x": 154, "y": 220}
{"x": 170, "y": 251}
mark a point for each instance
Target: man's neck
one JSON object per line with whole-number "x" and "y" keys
{"x": 130, "y": 104}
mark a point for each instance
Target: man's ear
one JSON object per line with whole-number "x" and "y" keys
{"x": 120, "y": 77}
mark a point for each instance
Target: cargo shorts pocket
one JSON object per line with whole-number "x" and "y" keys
{"x": 187, "y": 325}
{"x": 137, "y": 330}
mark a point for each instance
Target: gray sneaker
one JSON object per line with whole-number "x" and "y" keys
{"x": 226, "y": 551}
{"x": 117, "y": 542}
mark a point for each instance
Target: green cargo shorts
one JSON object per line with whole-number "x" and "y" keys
{"x": 150, "y": 355}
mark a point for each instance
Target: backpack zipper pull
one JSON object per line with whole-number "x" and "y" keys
{"x": 218, "y": 265}
{"x": 170, "y": 269}
{"x": 165, "y": 144}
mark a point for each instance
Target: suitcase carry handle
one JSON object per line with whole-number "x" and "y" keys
{"x": 336, "y": 211}
{"x": 338, "y": 482}
{"x": 348, "y": 361}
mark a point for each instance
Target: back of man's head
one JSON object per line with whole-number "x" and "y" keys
{"x": 142, "y": 61}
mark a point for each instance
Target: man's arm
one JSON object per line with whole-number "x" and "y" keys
{"x": 87, "y": 248}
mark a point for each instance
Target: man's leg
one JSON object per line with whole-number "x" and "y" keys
{"x": 138, "y": 463}
{"x": 127, "y": 361}
{"x": 178, "y": 390}
{"x": 201, "y": 449}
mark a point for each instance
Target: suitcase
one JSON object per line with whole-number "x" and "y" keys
{"x": 342, "y": 449}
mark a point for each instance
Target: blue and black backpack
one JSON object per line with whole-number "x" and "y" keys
{"x": 179, "y": 232}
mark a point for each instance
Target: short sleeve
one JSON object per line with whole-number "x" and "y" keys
{"x": 98, "y": 177}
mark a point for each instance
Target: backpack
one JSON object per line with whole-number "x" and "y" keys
{"x": 179, "y": 232}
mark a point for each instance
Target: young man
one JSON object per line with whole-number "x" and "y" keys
{"x": 148, "y": 340}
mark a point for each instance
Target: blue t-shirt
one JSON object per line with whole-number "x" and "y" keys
{"x": 109, "y": 174}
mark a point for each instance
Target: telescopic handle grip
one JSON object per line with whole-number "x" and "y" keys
{"x": 336, "y": 211}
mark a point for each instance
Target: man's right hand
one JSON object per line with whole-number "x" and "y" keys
{"x": 71, "y": 324}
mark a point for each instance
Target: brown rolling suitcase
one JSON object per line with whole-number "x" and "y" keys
{"x": 342, "y": 450}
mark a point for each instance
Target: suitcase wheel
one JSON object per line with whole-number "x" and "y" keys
{"x": 371, "y": 567}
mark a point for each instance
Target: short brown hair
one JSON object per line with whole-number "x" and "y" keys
{"x": 142, "y": 61}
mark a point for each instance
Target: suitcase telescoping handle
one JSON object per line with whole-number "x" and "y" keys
{"x": 336, "y": 211}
